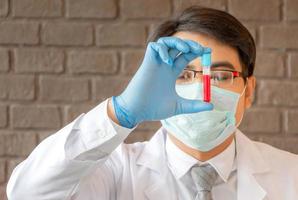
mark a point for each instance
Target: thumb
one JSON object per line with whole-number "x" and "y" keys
{"x": 192, "y": 106}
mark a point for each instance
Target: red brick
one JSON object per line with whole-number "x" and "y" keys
{"x": 63, "y": 89}
{"x": 261, "y": 120}
{"x": 293, "y": 65}
{"x": 3, "y": 116}
{"x": 4, "y": 60}
{"x": 255, "y": 9}
{"x": 36, "y": 8}
{"x": 67, "y": 33}
{"x": 3, "y": 192}
{"x": 181, "y": 5}
{"x": 291, "y": 7}
{"x": 252, "y": 30}
{"x": 18, "y": 32}
{"x": 279, "y": 36}
{"x": 11, "y": 164}
{"x": 145, "y": 9}
{"x": 93, "y": 62}
{"x": 38, "y": 60}
{"x": 131, "y": 61}
{"x": 3, "y": 7}
{"x": 291, "y": 121}
{"x": 121, "y": 35}
{"x": 2, "y": 171}
{"x": 17, "y": 144}
{"x": 91, "y": 8}
{"x": 37, "y": 116}
{"x": 273, "y": 92}
{"x": 41, "y": 135}
{"x": 17, "y": 87}
{"x": 106, "y": 87}
{"x": 269, "y": 64}
{"x": 73, "y": 111}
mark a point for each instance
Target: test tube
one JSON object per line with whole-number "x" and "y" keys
{"x": 206, "y": 64}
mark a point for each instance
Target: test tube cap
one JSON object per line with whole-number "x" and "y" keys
{"x": 206, "y": 59}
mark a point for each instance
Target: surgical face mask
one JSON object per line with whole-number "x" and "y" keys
{"x": 205, "y": 130}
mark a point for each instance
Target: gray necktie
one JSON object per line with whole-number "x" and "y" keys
{"x": 204, "y": 178}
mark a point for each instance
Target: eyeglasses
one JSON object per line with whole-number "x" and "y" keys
{"x": 219, "y": 78}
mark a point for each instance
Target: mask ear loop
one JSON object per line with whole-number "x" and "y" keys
{"x": 239, "y": 98}
{"x": 246, "y": 80}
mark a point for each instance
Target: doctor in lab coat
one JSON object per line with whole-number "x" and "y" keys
{"x": 87, "y": 159}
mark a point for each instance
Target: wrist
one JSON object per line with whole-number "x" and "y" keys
{"x": 123, "y": 116}
{"x": 111, "y": 112}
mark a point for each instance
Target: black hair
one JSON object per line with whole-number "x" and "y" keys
{"x": 218, "y": 24}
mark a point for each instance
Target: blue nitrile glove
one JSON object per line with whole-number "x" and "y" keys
{"x": 151, "y": 94}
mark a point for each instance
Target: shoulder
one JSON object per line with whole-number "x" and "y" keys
{"x": 280, "y": 155}
{"x": 273, "y": 156}
{"x": 278, "y": 159}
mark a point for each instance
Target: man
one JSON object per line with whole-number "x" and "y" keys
{"x": 198, "y": 153}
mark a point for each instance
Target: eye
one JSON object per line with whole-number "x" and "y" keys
{"x": 186, "y": 75}
{"x": 221, "y": 76}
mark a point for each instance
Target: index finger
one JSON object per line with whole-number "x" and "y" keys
{"x": 175, "y": 43}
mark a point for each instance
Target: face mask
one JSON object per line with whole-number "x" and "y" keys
{"x": 205, "y": 130}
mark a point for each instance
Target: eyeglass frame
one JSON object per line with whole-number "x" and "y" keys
{"x": 236, "y": 74}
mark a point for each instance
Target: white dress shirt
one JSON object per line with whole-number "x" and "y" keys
{"x": 224, "y": 163}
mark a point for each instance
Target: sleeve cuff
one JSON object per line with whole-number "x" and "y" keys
{"x": 97, "y": 133}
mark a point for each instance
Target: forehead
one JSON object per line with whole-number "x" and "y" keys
{"x": 220, "y": 52}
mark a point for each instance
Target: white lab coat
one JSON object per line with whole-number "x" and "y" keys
{"x": 86, "y": 160}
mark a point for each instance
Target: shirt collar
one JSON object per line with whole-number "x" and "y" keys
{"x": 180, "y": 162}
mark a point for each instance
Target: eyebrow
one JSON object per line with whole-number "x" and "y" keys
{"x": 224, "y": 64}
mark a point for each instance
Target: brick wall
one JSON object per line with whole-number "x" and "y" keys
{"x": 59, "y": 58}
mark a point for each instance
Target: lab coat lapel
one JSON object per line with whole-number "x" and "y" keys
{"x": 154, "y": 158}
{"x": 250, "y": 164}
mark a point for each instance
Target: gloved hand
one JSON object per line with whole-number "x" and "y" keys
{"x": 151, "y": 94}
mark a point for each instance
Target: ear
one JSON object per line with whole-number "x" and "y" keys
{"x": 249, "y": 92}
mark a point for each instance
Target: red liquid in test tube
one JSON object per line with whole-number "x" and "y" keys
{"x": 206, "y": 64}
{"x": 206, "y": 89}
